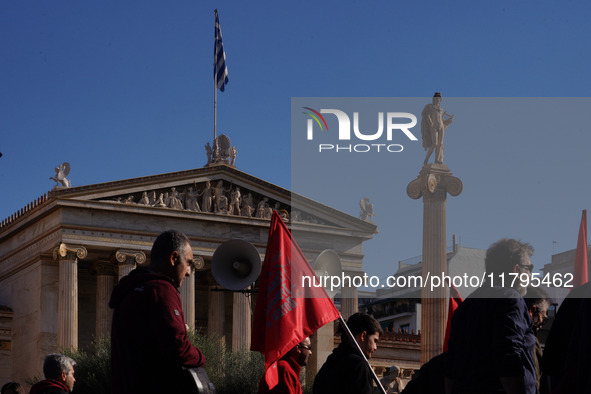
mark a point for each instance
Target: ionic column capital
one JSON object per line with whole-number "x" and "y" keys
{"x": 123, "y": 256}
{"x": 434, "y": 181}
{"x": 69, "y": 252}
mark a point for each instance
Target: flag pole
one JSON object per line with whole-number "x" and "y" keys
{"x": 220, "y": 71}
{"x": 215, "y": 104}
{"x": 215, "y": 90}
{"x": 353, "y": 341}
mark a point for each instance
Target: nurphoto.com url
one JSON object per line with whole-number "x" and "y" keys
{"x": 432, "y": 282}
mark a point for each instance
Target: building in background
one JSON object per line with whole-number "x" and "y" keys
{"x": 61, "y": 255}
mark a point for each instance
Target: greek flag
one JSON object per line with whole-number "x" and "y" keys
{"x": 220, "y": 71}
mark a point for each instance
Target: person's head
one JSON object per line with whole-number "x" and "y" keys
{"x": 12, "y": 388}
{"x": 537, "y": 302}
{"x": 394, "y": 371}
{"x": 172, "y": 256}
{"x": 510, "y": 256}
{"x": 302, "y": 351}
{"x": 61, "y": 368}
{"x": 366, "y": 330}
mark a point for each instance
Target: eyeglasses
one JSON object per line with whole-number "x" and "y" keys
{"x": 527, "y": 267}
{"x": 306, "y": 347}
{"x": 544, "y": 318}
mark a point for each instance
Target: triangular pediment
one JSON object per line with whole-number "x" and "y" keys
{"x": 212, "y": 190}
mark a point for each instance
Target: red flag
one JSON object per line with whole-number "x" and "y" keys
{"x": 581, "y": 268}
{"x": 454, "y": 301}
{"x": 286, "y": 312}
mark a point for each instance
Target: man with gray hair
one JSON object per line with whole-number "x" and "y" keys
{"x": 149, "y": 343}
{"x": 492, "y": 339}
{"x": 59, "y": 375}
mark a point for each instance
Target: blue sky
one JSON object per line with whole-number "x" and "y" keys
{"x": 124, "y": 89}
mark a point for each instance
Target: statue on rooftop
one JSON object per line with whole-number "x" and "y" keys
{"x": 367, "y": 213}
{"x": 221, "y": 152}
{"x": 61, "y": 172}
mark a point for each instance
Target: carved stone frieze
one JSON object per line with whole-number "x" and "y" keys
{"x": 215, "y": 197}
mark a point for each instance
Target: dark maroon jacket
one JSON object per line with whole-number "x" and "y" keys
{"x": 149, "y": 343}
{"x": 49, "y": 386}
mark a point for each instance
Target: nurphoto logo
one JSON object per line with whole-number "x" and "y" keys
{"x": 397, "y": 124}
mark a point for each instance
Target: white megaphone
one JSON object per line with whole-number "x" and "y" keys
{"x": 236, "y": 264}
{"x": 328, "y": 264}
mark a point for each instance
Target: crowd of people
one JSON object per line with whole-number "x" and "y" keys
{"x": 492, "y": 348}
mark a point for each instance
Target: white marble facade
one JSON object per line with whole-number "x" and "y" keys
{"x": 61, "y": 256}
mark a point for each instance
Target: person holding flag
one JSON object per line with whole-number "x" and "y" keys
{"x": 288, "y": 370}
{"x": 286, "y": 313}
{"x": 345, "y": 370}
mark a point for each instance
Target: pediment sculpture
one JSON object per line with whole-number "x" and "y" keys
{"x": 216, "y": 197}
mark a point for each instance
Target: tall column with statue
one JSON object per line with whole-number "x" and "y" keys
{"x": 434, "y": 182}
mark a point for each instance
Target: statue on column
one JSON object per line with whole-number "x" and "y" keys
{"x": 433, "y": 125}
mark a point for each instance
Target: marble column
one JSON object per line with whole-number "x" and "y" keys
{"x": 433, "y": 184}
{"x": 322, "y": 347}
{"x": 215, "y": 312}
{"x": 104, "y": 271}
{"x": 349, "y": 301}
{"x": 241, "y": 320}
{"x": 127, "y": 260}
{"x": 188, "y": 292}
{"x": 67, "y": 310}
{"x": 188, "y": 300}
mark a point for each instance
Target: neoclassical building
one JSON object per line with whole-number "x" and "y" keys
{"x": 61, "y": 255}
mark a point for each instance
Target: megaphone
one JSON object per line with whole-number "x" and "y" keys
{"x": 328, "y": 263}
{"x": 236, "y": 264}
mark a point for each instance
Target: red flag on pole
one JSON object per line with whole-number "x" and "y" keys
{"x": 286, "y": 311}
{"x": 454, "y": 301}
{"x": 581, "y": 267}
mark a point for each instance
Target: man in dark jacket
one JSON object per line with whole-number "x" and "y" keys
{"x": 59, "y": 375}
{"x": 492, "y": 339}
{"x": 149, "y": 342}
{"x": 345, "y": 370}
